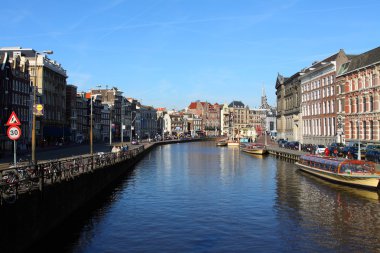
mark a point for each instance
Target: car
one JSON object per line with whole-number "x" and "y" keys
{"x": 134, "y": 142}
{"x": 373, "y": 153}
{"x": 352, "y": 152}
{"x": 336, "y": 145}
{"x": 319, "y": 149}
{"x": 282, "y": 143}
{"x": 293, "y": 145}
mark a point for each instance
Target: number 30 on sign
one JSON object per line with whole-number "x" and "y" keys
{"x": 14, "y": 132}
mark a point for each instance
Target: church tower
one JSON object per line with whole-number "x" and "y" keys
{"x": 264, "y": 100}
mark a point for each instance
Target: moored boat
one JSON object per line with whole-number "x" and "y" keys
{"x": 257, "y": 149}
{"x": 221, "y": 143}
{"x": 233, "y": 143}
{"x": 351, "y": 172}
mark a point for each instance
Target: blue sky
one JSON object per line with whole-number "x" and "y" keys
{"x": 168, "y": 53}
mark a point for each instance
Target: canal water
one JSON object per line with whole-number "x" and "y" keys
{"x": 196, "y": 197}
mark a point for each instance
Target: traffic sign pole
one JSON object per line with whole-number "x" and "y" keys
{"x": 14, "y": 152}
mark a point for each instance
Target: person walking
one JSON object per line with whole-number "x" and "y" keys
{"x": 327, "y": 151}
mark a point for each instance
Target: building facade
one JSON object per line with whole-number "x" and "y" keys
{"x": 288, "y": 94}
{"x": 318, "y": 106}
{"x": 15, "y": 95}
{"x": 360, "y": 77}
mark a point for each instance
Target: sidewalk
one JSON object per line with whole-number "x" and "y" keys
{"x": 55, "y": 152}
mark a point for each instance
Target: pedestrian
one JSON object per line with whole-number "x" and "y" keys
{"x": 335, "y": 152}
{"x": 327, "y": 152}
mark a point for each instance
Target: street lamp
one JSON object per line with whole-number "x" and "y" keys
{"x": 359, "y": 152}
{"x": 34, "y": 104}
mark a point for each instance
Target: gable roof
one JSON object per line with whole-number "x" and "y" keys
{"x": 360, "y": 61}
{"x": 193, "y": 105}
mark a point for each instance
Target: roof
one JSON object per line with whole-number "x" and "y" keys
{"x": 193, "y": 105}
{"x": 360, "y": 61}
{"x": 236, "y": 104}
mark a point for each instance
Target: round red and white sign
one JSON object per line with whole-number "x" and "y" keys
{"x": 14, "y": 132}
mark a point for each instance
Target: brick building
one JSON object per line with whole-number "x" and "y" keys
{"x": 359, "y": 78}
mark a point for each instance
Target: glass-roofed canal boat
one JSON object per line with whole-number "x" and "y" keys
{"x": 362, "y": 174}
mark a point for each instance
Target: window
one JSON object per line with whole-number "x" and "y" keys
{"x": 364, "y": 104}
{"x": 357, "y": 104}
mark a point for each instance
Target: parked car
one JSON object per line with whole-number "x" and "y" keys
{"x": 293, "y": 145}
{"x": 319, "y": 149}
{"x": 134, "y": 142}
{"x": 373, "y": 153}
{"x": 353, "y": 151}
{"x": 363, "y": 146}
{"x": 282, "y": 143}
{"x": 336, "y": 145}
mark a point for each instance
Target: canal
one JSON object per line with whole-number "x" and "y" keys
{"x": 196, "y": 197}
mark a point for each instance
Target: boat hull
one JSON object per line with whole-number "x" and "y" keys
{"x": 220, "y": 144}
{"x": 255, "y": 151}
{"x": 234, "y": 144}
{"x": 369, "y": 182}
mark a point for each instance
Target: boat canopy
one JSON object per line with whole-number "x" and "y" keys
{"x": 344, "y": 165}
{"x": 320, "y": 159}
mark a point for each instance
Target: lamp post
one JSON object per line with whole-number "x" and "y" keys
{"x": 91, "y": 135}
{"x": 34, "y": 104}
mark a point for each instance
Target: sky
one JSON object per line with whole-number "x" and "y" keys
{"x": 167, "y": 53}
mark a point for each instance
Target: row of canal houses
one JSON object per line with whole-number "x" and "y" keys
{"x": 67, "y": 115}
{"x": 29, "y": 77}
{"x": 333, "y": 100}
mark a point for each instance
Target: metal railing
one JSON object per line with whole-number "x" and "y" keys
{"x": 25, "y": 178}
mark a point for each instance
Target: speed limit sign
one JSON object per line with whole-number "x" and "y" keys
{"x": 14, "y": 132}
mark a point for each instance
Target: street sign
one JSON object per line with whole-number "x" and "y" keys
{"x": 38, "y": 109}
{"x": 14, "y": 132}
{"x": 13, "y": 120}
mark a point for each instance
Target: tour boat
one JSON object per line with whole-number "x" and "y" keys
{"x": 357, "y": 173}
{"x": 255, "y": 148}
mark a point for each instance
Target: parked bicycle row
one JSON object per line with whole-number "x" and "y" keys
{"x": 27, "y": 177}
{"x": 370, "y": 152}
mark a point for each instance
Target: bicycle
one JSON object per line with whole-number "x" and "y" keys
{"x": 8, "y": 186}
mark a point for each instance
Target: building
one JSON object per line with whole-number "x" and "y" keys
{"x": 360, "y": 79}
{"x": 148, "y": 119}
{"x": 105, "y": 123}
{"x": 113, "y": 97}
{"x": 288, "y": 94}
{"x": 270, "y": 117}
{"x": 225, "y": 120}
{"x": 50, "y": 78}
{"x": 15, "y": 95}
{"x": 160, "y": 120}
{"x": 82, "y": 131}
{"x": 318, "y": 100}
{"x": 210, "y": 114}
{"x": 71, "y": 113}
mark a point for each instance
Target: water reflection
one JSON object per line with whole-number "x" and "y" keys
{"x": 330, "y": 217}
{"x": 197, "y": 197}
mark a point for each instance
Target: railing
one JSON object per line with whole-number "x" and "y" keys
{"x": 25, "y": 178}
